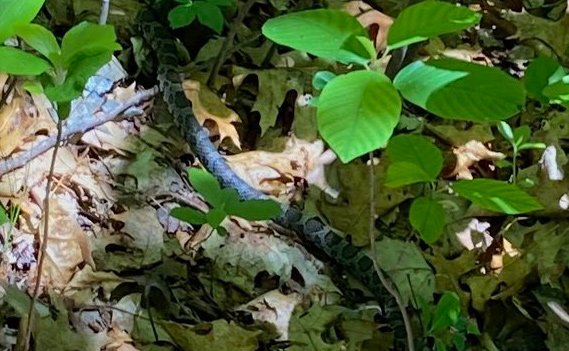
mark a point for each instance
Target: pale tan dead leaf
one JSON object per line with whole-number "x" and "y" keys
{"x": 119, "y": 340}
{"x": 123, "y": 94}
{"x": 468, "y": 54}
{"x": 143, "y": 228}
{"x": 279, "y": 173}
{"x": 3, "y": 79}
{"x": 469, "y": 154}
{"x": 368, "y": 16}
{"x": 275, "y": 308}
{"x": 475, "y": 235}
{"x": 112, "y": 136}
{"x": 549, "y": 163}
{"x": 86, "y": 285}
{"x": 67, "y": 245}
{"x": 13, "y": 125}
{"x": 208, "y": 106}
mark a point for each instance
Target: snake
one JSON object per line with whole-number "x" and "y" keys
{"x": 311, "y": 228}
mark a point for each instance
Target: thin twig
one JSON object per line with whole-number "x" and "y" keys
{"x": 220, "y": 59}
{"x": 73, "y": 128}
{"x": 43, "y": 248}
{"x": 104, "y": 15}
{"x": 386, "y": 284}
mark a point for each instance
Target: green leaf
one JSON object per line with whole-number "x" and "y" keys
{"x": 446, "y": 312}
{"x": 18, "y": 62}
{"x": 254, "y": 210}
{"x": 428, "y": 19}
{"x": 357, "y": 113}
{"x": 558, "y": 92}
{"x": 497, "y": 196}
{"x": 181, "y": 16}
{"x": 506, "y": 131}
{"x": 3, "y": 216}
{"x": 405, "y": 173}
{"x": 87, "y": 39}
{"x": 538, "y": 75}
{"x": 41, "y": 39}
{"x": 521, "y": 134}
{"x": 209, "y": 15}
{"x": 526, "y": 146}
{"x": 319, "y": 32}
{"x": 417, "y": 150}
{"x": 189, "y": 215}
{"x": 215, "y": 216}
{"x": 427, "y": 216}
{"x": 16, "y": 12}
{"x": 206, "y": 184}
{"x": 460, "y": 90}
{"x": 321, "y": 78}
{"x": 33, "y": 86}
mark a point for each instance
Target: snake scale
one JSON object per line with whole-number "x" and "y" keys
{"x": 312, "y": 229}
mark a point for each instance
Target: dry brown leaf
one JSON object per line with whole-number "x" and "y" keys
{"x": 67, "y": 245}
{"x": 208, "y": 106}
{"x": 111, "y": 136}
{"x": 368, "y": 16}
{"x": 468, "y": 54}
{"x": 143, "y": 227}
{"x": 469, "y": 154}
{"x": 119, "y": 340}
{"x": 86, "y": 285}
{"x": 279, "y": 173}
{"x": 275, "y": 308}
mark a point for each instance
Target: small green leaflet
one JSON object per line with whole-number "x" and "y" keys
{"x": 446, "y": 313}
{"x": 540, "y": 73}
{"x": 413, "y": 159}
{"x": 427, "y": 216}
{"x": 207, "y": 12}
{"x": 224, "y": 202}
{"x": 495, "y": 195}
{"x": 18, "y": 62}
{"x": 428, "y": 19}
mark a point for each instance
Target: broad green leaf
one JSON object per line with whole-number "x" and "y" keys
{"x": 405, "y": 173}
{"x": 41, "y": 39}
{"x": 401, "y": 260}
{"x": 538, "y": 75}
{"x": 427, "y": 216}
{"x": 506, "y": 131}
{"x": 461, "y": 90}
{"x": 254, "y": 210}
{"x": 418, "y": 150}
{"x": 215, "y": 216}
{"x": 87, "y": 39}
{"x": 18, "y": 62}
{"x": 189, "y": 215}
{"x": 319, "y": 32}
{"x": 428, "y": 19}
{"x": 357, "y": 113}
{"x": 16, "y": 12}
{"x": 446, "y": 313}
{"x": 181, "y": 16}
{"x": 495, "y": 195}
{"x": 209, "y": 15}
{"x": 206, "y": 184}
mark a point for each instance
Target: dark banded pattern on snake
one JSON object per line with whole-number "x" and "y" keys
{"x": 312, "y": 229}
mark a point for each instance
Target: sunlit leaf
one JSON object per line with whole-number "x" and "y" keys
{"x": 18, "y": 62}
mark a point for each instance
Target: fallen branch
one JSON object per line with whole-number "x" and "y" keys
{"x": 69, "y": 129}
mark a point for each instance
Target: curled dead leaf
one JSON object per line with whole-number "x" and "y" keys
{"x": 376, "y": 22}
{"x": 470, "y": 154}
{"x": 208, "y": 106}
{"x": 280, "y": 173}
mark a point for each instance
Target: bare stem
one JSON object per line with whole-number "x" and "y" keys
{"x": 220, "y": 59}
{"x": 386, "y": 284}
{"x": 104, "y": 15}
{"x": 43, "y": 249}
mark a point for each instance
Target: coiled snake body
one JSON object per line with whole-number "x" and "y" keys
{"x": 312, "y": 229}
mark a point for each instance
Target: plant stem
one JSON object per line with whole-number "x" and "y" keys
{"x": 43, "y": 249}
{"x": 220, "y": 59}
{"x": 386, "y": 284}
